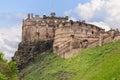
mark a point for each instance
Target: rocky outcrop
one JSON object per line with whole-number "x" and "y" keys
{"x": 27, "y": 51}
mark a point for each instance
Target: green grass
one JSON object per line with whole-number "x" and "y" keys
{"x": 97, "y": 63}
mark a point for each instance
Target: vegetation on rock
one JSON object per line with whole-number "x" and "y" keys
{"x": 28, "y": 51}
{"x": 97, "y": 63}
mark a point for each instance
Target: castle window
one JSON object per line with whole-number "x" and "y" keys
{"x": 30, "y": 49}
{"x": 92, "y": 32}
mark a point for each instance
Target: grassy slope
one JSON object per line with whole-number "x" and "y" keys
{"x": 97, "y": 63}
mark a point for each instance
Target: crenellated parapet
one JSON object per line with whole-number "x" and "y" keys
{"x": 37, "y": 27}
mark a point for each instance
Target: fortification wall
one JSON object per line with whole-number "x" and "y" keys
{"x": 117, "y": 38}
{"x": 68, "y": 37}
{"x": 62, "y": 35}
{"x": 75, "y": 36}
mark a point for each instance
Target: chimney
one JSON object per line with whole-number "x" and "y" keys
{"x": 31, "y": 15}
{"x": 28, "y": 16}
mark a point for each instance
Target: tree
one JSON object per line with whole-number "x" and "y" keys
{"x": 8, "y": 69}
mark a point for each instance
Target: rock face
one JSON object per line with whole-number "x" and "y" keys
{"x": 28, "y": 51}
{"x": 66, "y": 37}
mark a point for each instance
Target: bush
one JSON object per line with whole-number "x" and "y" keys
{"x": 8, "y": 69}
{"x": 3, "y": 77}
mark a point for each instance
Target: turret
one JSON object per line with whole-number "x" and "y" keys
{"x": 52, "y": 14}
{"x": 31, "y": 15}
{"x": 28, "y": 16}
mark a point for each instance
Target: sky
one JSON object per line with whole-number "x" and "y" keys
{"x": 103, "y": 13}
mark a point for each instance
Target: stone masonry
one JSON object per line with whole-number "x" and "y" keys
{"x": 64, "y": 36}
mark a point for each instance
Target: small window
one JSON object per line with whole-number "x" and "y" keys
{"x": 92, "y": 32}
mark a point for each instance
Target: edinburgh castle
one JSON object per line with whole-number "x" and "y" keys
{"x": 65, "y": 37}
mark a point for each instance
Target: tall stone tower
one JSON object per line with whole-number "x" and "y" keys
{"x": 37, "y": 28}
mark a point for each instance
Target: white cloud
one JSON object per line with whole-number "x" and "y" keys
{"x": 105, "y": 13}
{"x": 102, "y": 25}
{"x": 10, "y": 36}
{"x": 88, "y": 10}
{"x": 9, "y": 39}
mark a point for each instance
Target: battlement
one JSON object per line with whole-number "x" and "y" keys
{"x": 36, "y": 27}
{"x": 45, "y": 17}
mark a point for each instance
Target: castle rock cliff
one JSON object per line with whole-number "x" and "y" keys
{"x": 65, "y": 37}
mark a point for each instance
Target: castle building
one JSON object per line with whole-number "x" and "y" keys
{"x": 37, "y": 28}
{"x": 68, "y": 36}
{"x": 64, "y": 32}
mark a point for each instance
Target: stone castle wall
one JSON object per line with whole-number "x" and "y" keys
{"x": 66, "y": 33}
{"x": 66, "y": 37}
{"x": 74, "y": 35}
